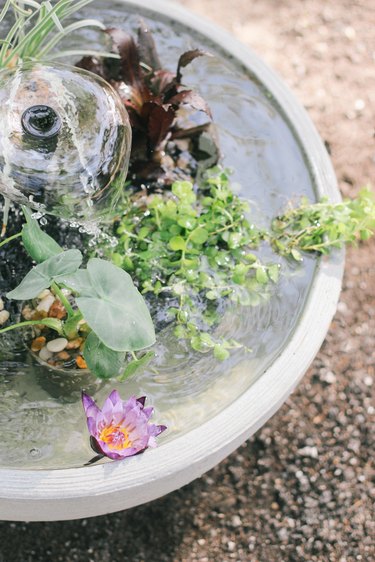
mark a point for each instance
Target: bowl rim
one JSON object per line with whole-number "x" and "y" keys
{"x": 59, "y": 494}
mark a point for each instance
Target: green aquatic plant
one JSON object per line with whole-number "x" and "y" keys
{"x": 197, "y": 250}
{"x": 194, "y": 252}
{"x": 106, "y": 305}
{"x": 320, "y": 227}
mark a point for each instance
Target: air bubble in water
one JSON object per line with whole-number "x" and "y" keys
{"x": 37, "y": 215}
{"x": 35, "y": 453}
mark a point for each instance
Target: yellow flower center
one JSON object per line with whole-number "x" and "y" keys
{"x": 116, "y": 437}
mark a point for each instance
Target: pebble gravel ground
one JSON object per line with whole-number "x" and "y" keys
{"x": 301, "y": 488}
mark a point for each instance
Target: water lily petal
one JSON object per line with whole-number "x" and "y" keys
{"x": 108, "y": 409}
{"x": 160, "y": 429}
{"x": 114, "y": 397}
{"x": 91, "y": 426}
{"x": 148, "y": 412}
{"x": 118, "y": 413}
{"x": 89, "y": 405}
{"x": 152, "y": 442}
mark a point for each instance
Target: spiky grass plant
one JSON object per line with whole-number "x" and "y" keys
{"x": 38, "y": 27}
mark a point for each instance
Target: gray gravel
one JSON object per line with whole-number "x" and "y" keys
{"x": 300, "y": 489}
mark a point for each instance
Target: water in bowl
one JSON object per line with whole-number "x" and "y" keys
{"x": 40, "y": 412}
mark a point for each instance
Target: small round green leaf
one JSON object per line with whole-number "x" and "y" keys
{"x": 199, "y": 235}
{"x": 177, "y": 243}
{"x": 220, "y": 353}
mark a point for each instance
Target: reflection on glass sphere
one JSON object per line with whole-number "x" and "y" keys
{"x": 65, "y": 141}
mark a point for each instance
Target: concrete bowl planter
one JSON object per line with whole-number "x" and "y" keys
{"x": 70, "y": 493}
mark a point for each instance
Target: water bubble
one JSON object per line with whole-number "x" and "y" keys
{"x": 112, "y": 242}
{"x": 35, "y": 453}
{"x": 37, "y": 215}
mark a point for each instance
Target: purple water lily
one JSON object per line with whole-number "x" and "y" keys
{"x": 121, "y": 428}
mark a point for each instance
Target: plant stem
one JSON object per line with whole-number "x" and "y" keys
{"x": 131, "y": 235}
{"x": 10, "y": 239}
{"x": 70, "y": 326}
{"x": 32, "y": 323}
{"x": 317, "y": 247}
{"x": 227, "y": 227}
{"x": 63, "y": 299}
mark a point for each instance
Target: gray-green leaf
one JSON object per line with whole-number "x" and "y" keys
{"x": 79, "y": 282}
{"x": 136, "y": 365}
{"x": 115, "y": 310}
{"x": 102, "y": 361}
{"x": 41, "y": 276}
{"x": 39, "y": 245}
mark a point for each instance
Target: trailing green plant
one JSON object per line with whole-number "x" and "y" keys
{"x": 197, "y": 249}
{"x": 115, "y": 315}
{"x": 320, "y": 227}
{"x": 194, "y": 251}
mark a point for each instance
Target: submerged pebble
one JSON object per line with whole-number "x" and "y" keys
{"x": 57, "y": 310}
{"x": 63, "y": 356}
{"x": 81, "y": 363}
{"x": 38, "y": 343}
{"x": 45, "y": 354}
{"x": 58, "y": 352}
{"x": 27, "y": 312}
{"x": 46, "y": 303}
{"x": 44, "y": 294}
{"x": 4, "y": 316}
{"x": 57, "y": 345}
{"x": 74, "y": 344}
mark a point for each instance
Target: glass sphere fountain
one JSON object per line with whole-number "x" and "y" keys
{"x": 65, "y": 141}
